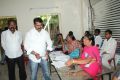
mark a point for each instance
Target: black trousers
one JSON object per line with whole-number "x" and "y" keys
{"x": 11, "y": 68}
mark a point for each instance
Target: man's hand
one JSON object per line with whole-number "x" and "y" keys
{"x": 37, "y": 55}
{"x": 46, "y": 55}
{"x": 97, "y": 45}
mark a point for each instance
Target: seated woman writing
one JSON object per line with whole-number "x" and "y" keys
{"x": 89, "y": 61}
{"x": 73, "y": 46}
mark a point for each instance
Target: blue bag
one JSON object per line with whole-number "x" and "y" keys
{"x": 75, "y": 53}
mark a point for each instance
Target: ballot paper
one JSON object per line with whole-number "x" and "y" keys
{"x": 58, "y": 64}
{"x": 59, "y": 59}
{"x": 63, "y": 58}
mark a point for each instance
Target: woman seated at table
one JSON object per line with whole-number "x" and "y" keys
{"x": 59, "y": 43}
{"x": 73, "y": 46}
{"x": 89, "y": 61}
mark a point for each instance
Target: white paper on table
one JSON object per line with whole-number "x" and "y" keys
{"x": 60, "y": 61}
{"x": 62, "y": 58}
{"x": 59, "y": 64}
{"x": 56, "y": 53}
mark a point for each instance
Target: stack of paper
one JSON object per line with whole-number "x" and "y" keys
{"x": 59, "y": 59}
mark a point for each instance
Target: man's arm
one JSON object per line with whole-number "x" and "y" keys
{"x": 49, "y": 42}
{"x": 49, "y": 45}
{"x": 37, "y": 55}
{"x": 27, "y": 43}
{"x": 21, "y": 42}
{"x": 102, "y": 48}
{"x": 98, "y": 41}
{"x": 3, "y": 41}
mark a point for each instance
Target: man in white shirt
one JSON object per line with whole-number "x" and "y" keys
{"x": 108, "y": 49}
{"x": 11, "y": 41}
{"x": 37, "y": 43}
{"x": 98, "y": 38}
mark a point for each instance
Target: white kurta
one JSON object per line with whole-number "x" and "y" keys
{"x": 11, "y": 43}
{"x": 98, "y": 40}
{"x": 38, "y": 42}
{"x": 109, "y": 46}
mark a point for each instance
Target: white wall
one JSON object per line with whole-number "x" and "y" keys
{"x": 73, "y": 14}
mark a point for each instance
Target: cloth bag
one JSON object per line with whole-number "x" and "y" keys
{"x": 75, "y": 53}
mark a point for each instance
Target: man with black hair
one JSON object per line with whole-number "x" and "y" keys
{"x": 108, "y": 49}
{"x": 11, "y": 41}
{"x": 98, "y": 38}
{"x": 37, "y": 44}
{"x": 70, "y": 33}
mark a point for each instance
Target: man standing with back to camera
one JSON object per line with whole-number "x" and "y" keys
{"x": 37, "y": 44}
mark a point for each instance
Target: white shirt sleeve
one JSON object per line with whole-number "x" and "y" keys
{"x": 20, "y": 39}
{"x": 3, "y": 40}
{"x": 98, "y": 40}
{"x": 27, "y": 44}
{"x": 49, "y": 42}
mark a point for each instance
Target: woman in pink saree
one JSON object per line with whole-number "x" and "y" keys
{"x": 89, "y": 61}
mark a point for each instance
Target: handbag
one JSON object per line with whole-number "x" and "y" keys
{"x": 75, "y": 53}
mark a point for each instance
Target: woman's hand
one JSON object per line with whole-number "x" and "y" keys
{"x": 93, "y": 59}
{"x": 69, "y": 63}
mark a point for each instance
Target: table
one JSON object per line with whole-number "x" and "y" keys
{"x": 58, "y": 60}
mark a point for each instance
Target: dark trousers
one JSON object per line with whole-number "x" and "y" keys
{"x": 11, "y": 68}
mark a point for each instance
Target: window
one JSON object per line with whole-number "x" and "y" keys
{"x": 51, "y": 24}
{"x": 107, "y": 16}
{"x": 4, "y": 20}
